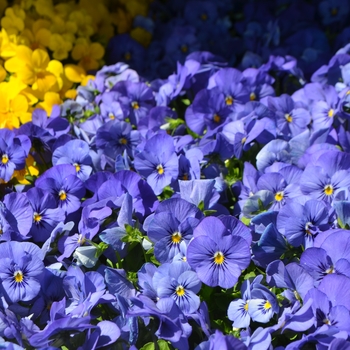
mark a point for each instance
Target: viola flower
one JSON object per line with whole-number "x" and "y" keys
{"x": 122, "y": 48}
{"x": 21, "y": 265}
{"x": 136, "y": 99}
{"x": 216, "y": 255}
{"x": 158, "y": 162}
{"x": 326, "y": 109}
{"x": 291, "y": 118}
{"x": 62, "y": 182}
{"x": 176, "y": 280}
{"x": 300, "y": 224}
{"x": 229, "y": 82}
{"x": 110, "y": 107}
{"x": 13, "y": 153}
{"x": 172, "y": 224}
{"x": 80, "y": 158}
{"x": 115, "y": 137}
{"x": 338, "y": 316}
{"x": 16, "y": 217}
{"x": 208, "y": 111}
{"x": 46, "y": 215}
{"x": 291, "y": 276}
{"x": 327, "y": 177}
{"x": 282, "y": 185}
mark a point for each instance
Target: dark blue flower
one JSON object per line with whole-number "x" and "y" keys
{"x": 216, "y": 255}
{"x": 21, "y": 265}
{"x": 158, "y": 162}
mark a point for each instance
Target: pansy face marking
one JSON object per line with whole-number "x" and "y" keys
{"x": 62, "y": 195}
{"x": 77, "y": 167}
{"x": 4, "y": 159}
{"x": 216, "y": 118}
{"x": 288, "y": 117}
{"x": 229, "y": 100}
{"x": 160, "y": 169}
{"x": 135, "y": 105}
{"x": 37, "y": 217}
{"x": 328, "y": 190}
{"x": 180, "y": 291}
{"x": 219, "y": 258}
{"x": 18, "y": 276}
{"x": 279, "y": 196}
{"x": 176, "y": 237}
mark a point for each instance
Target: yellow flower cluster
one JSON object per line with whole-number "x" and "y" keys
{"x": 47, "y": 46}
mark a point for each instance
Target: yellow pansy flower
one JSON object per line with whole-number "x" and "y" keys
{"x": 122, "y": 20}
{"x": 77, "y": 74}
{"x": 31, "y": 169}
{"x": 44, "y": 8}
{"x": 50, "y": 99}
{"x": 32, "y": 68}
{"x": 8, "y": 44}
{"x": 141, "y": 35}
{"x": 3, "y": 5}
{"x": 88, "y": 55}
{"x": 84, "y": 23}
{"x": 59, "y": 46}
{"x": 13, "y": 105}
{"x": 13, "y": 21}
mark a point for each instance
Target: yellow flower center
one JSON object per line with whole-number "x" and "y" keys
{"x": 243, "y": 140}
{"x": 180, "y": 291}
{"x": 184, "y": 48}
{"x": 4, "y": 159}
{"x": 63, "y": 195}
{"x": 246, "y": 306}
{"x": 328, "y": 190}
{"x": 18, "y": 276}
{"x": 185, "y": 176}
{"x": 252, "y": 96}
{"x": 77, "y": 167}
{"x": 334, "y": 11}
{"x": 330, "y": 270}
{"x": 81, "y": 239}
{"x": 160, "y": 169}
{"x": 331, "y": 113}
{"x": 37, "y": 217}
{"x": 267, "y": 305}
{"x": 279, "y": 196}
{"x": 219, "y": 258}
{"x": 307, "y": 228}
{"x": 216, "y": 118}
{"x": 176, "y": 237}
{"x": 326, "y": 321}
{"x": 229, "y": 100}
{"x": 288, "y": 117}
{"x": 111, "y": 116}
{"x": 135, "y": 105}
{"x": 123, "y": 141}
{"x": 204, "y": 17}
{"x": 127, "y": 56}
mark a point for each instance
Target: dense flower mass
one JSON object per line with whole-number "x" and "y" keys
{"x": 174, "y": 174}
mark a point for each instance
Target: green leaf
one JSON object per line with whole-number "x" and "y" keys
{"x": 245, "y": 220}
{"x": 148, "y": 346}
{"x": 133, "y": 234}
{"x": 102, "y": 246}
{"x": 201, "y": 206}
{"x": 208, "y": 212}
{"x": 163, "y": 345}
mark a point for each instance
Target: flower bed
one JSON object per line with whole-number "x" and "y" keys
{"x": 169, "y": 200}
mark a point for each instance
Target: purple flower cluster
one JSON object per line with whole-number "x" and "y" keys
{"x": 209, "y": 209}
